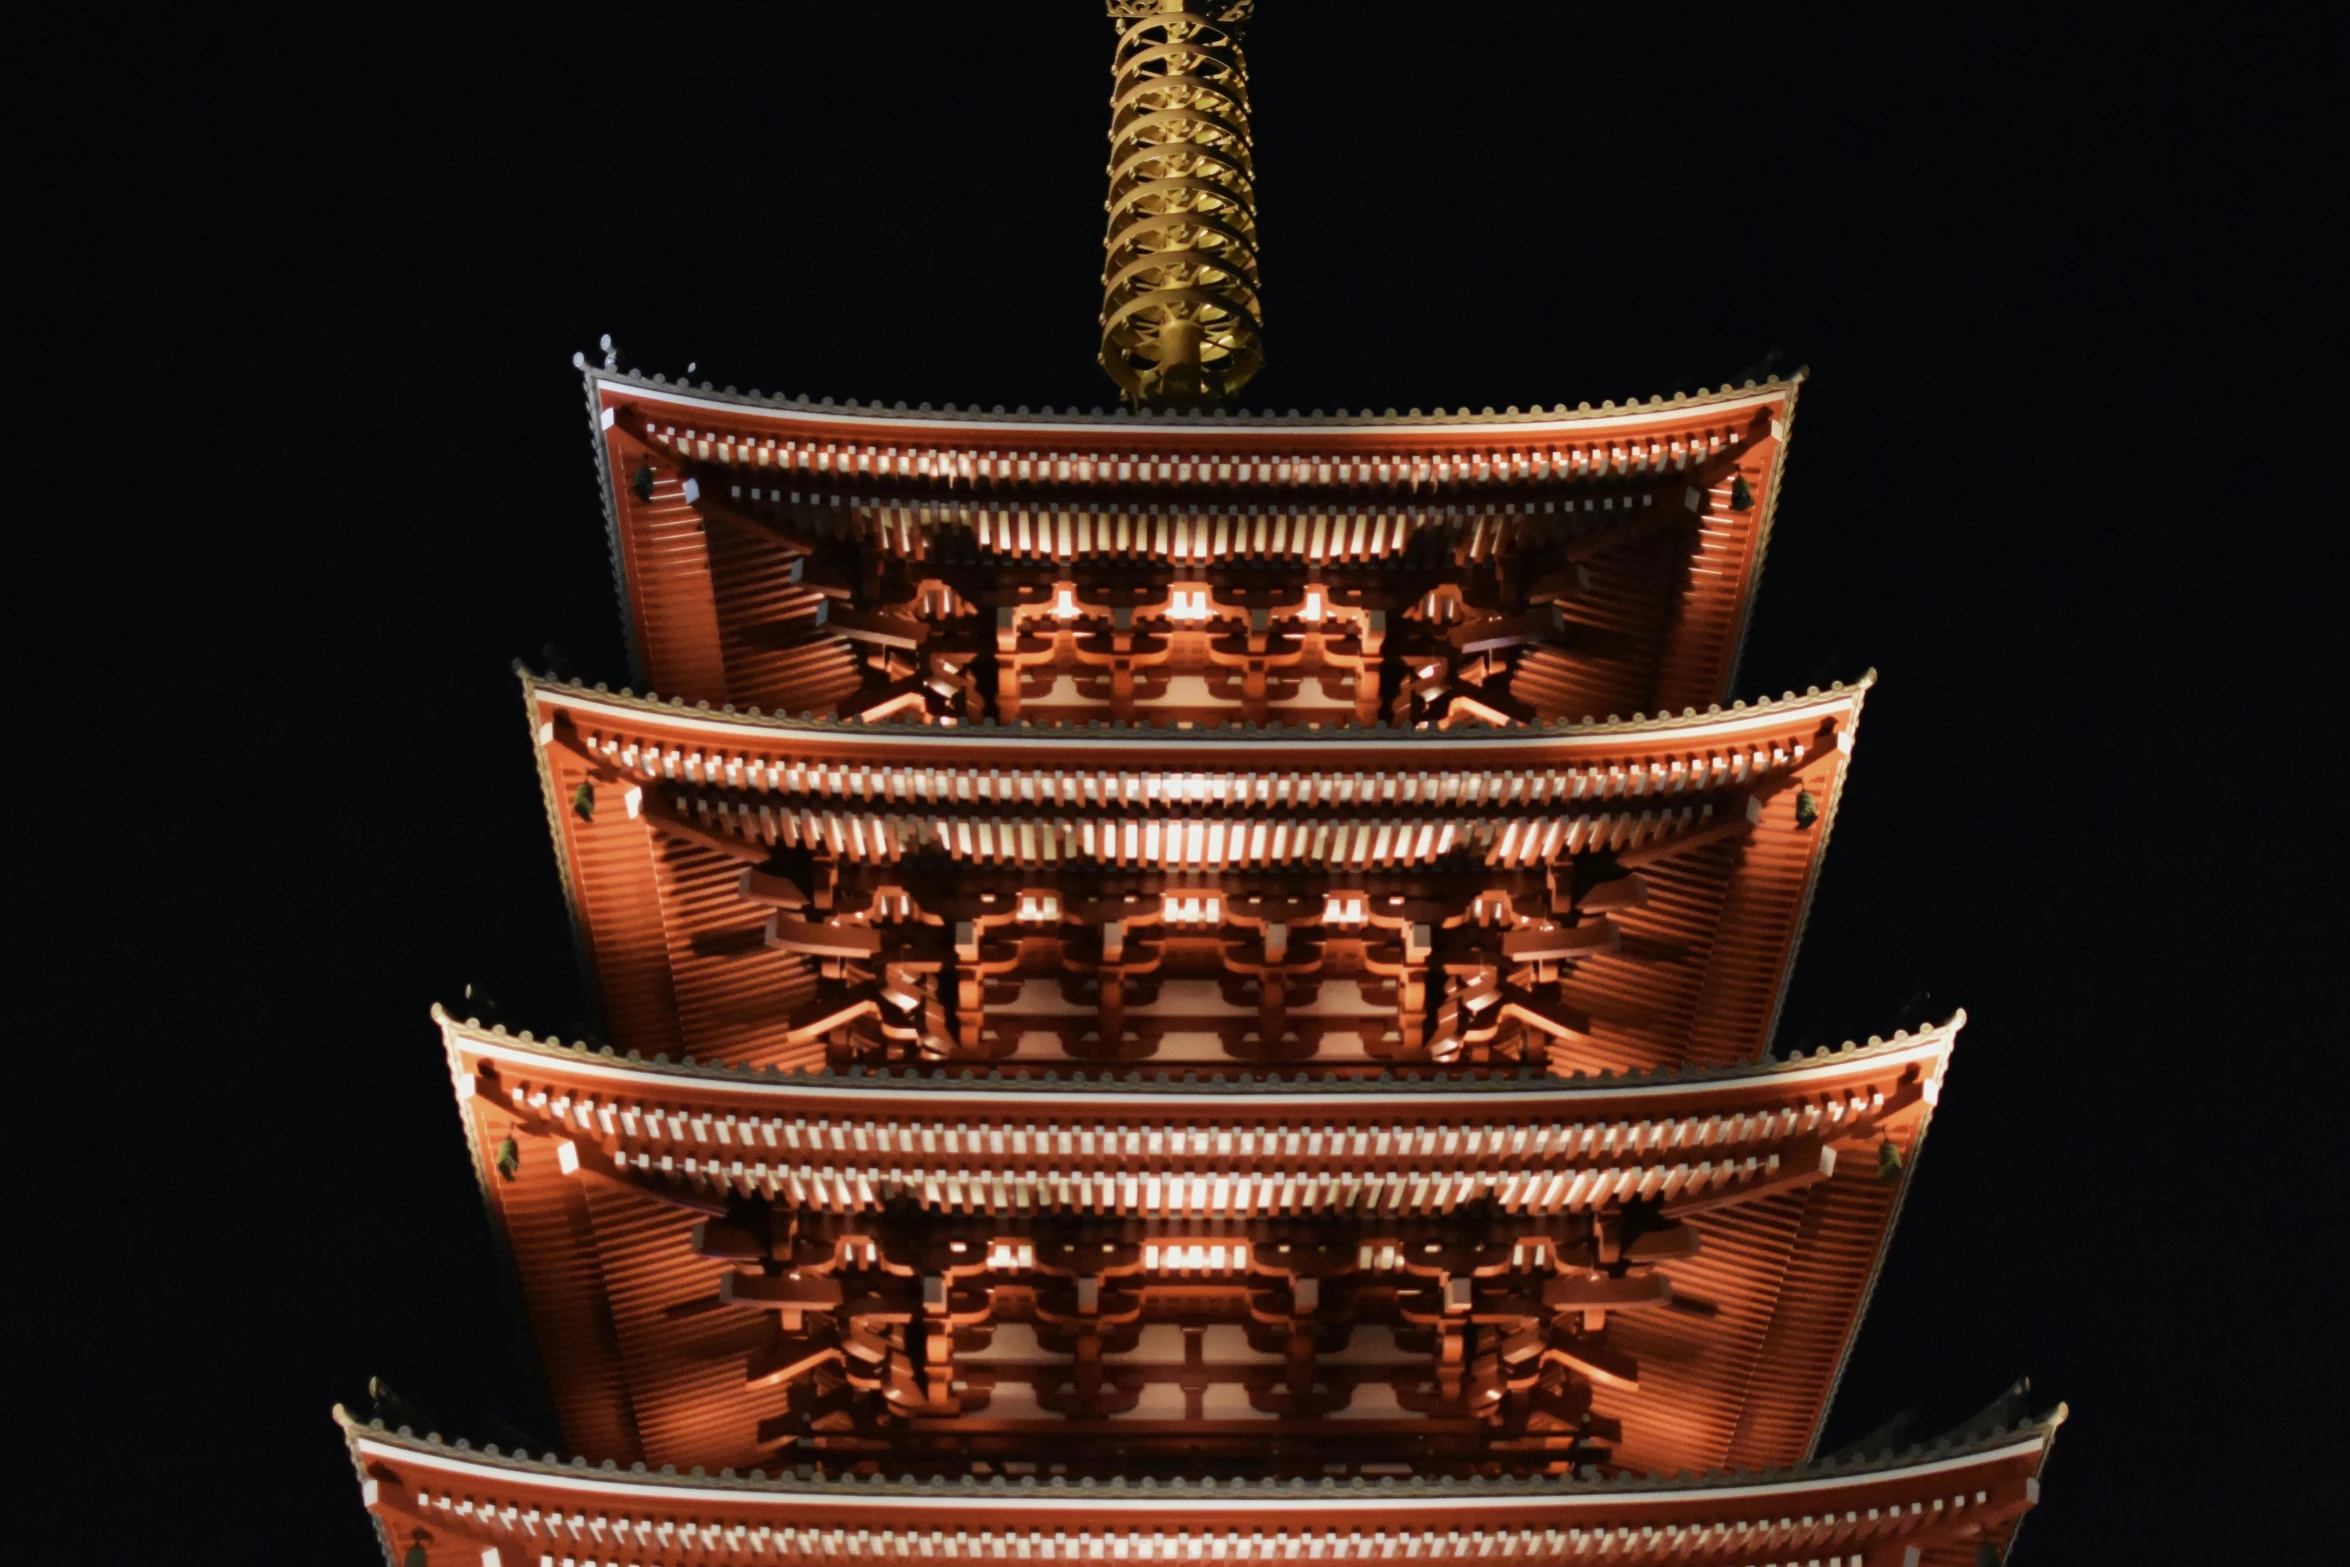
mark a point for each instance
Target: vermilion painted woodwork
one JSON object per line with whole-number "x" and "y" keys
{"x": 1933, "y": 1507}
{"x": 1757, "y": 1200}
{"x": 1190, "y": 988}
{"x": 1608, "y": 896}
{"x": 1614, "y": 555}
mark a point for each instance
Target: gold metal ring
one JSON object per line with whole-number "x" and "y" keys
{"x": 1181, "y": 322}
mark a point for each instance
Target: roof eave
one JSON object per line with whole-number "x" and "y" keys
{"x": 1840, "y": 694}
{"x": 2031, "y": 1436}
{"x": 1868, "y": 1289}
{"x": 1583, "y": 417}
{"x": 591, "y": 381}
{"x": 1930, "y": 1045}
{"x": 1849, "y": 739}
{"x": 1762, "y": 543}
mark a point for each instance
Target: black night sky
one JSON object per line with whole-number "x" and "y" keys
{"x": 324, "y": 472}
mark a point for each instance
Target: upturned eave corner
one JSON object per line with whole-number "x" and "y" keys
{"x": 1948, "y": 1032}
{"x": 582, "y": 946}
{"x": 608, "y": 500}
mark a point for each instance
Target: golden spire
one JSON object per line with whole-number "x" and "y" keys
{"x": 1180, "y": 320}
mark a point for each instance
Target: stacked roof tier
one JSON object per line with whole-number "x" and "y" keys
{"x": 1952, "y": 1504}
{"x": 1156, "y": 1005}
{"x": 1662, "y": 1270}
{"x": 1146, "y": 1007}
{"x": 774, "y": 891}
{"x": 1199, "y": 571}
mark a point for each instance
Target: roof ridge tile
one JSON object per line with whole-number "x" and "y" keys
{"x": 1615, "y": 723}
{"x": 967, "y": 1077}
{"x": 950, "y": 414}
{"x": 802, "y": 1480}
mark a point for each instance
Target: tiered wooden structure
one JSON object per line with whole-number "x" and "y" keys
{"x": 1190, "y": 987}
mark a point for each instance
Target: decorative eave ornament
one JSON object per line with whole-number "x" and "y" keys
{"x": 1181, "y": 323}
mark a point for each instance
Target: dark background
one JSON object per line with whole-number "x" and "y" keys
{"x": 2064, "y": 475}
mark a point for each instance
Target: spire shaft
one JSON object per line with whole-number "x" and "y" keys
{"x": 1181, "y": 323}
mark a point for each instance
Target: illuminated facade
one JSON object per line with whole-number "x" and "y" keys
{"x": 1189, "y": 986}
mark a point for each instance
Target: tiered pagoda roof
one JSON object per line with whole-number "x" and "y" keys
{"x": 1627, "y": 894}
{"x": 1942, "y": 1504}
{"x": 1222, "y": 965}
{"x": 1190, "y": 986}
{"x": 1192, "y": 568}
{"x": 1694, "y": 1245}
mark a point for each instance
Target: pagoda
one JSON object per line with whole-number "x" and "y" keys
{"x": 1181, "y": 986}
